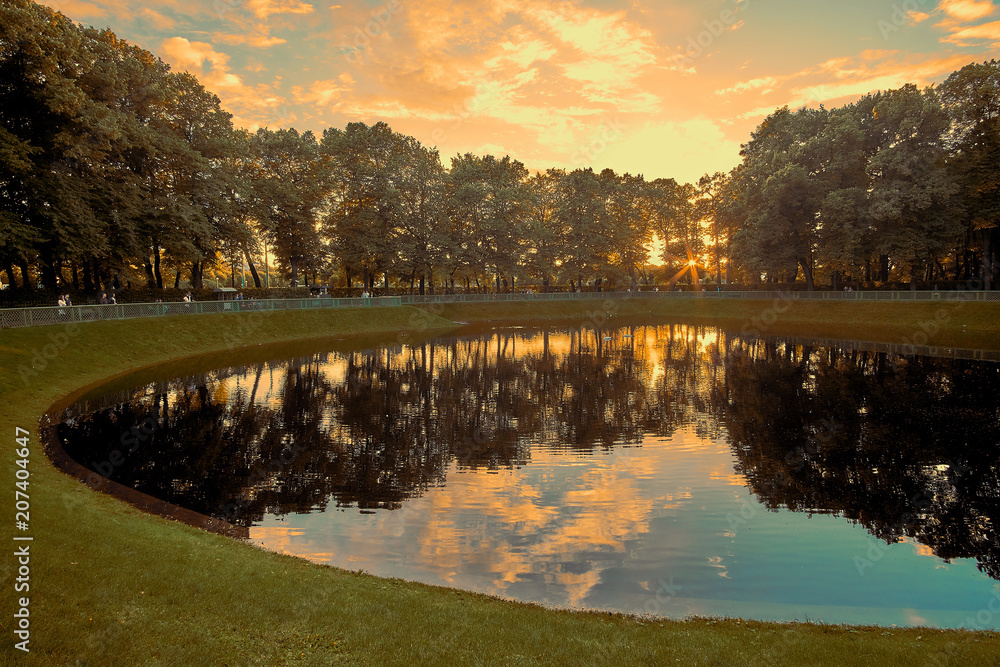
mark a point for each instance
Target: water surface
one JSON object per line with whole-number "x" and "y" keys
{"x": 671, "y": 470}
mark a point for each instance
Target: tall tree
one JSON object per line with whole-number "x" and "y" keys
{"x": 972, "y": 98}
{"x": 912, "y": 208}
{"x": 364, "y": 218}
{"x": 291, "y": 186}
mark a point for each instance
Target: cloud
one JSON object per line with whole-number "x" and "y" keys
{"x": 258, "y": 39}
{"x": 862, "y": 78}
{"x": 767, "y": 82}
{"x": 967, "y": 10}
{"x": 604, "y": 53}
{"x": 323, "y": 93}
{"x": 264, "y": 8}
{"x": 984, "y": 31}
{"x": 251, "y": 106}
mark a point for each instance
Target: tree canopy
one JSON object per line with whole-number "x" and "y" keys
{"x": 113, "y": 167}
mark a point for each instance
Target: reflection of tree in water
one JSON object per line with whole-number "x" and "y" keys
{"x": 383, "y": 433}
{"x": 908, "y": 447}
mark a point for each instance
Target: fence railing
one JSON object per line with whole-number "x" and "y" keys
{"x": 27, "y": 317}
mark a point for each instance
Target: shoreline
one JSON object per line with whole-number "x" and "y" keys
{"x": 105, "y": 592}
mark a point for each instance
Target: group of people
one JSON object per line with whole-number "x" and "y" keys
{"x": 64, "y": 299}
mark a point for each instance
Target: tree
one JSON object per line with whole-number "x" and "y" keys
{"x": 423, "y": 239}
{"x": 582, "y": 215}
{"x": 971, "y": 97}
{"x": 291, "y": 185}
{"x": 710, "y": 187}
{"x": 488, "y": 206}
{"x": 542, "y": 230}
{"x": 781, "y": 195}
{"x": 365, "y": 213}
{"x": 911, "y": 190}
{"x": 628, "y": 225}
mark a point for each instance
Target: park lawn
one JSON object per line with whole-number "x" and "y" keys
{"x": 934, "y": 323}
{"x": 111, "y": 584}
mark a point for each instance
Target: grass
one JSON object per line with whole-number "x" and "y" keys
{"x": 908, "y": 322}
{"x": 111, "y": 584}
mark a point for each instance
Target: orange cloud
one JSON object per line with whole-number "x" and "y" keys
{"x": 967, "y": 10}
{"x": 264, "y": 8}
{"x": 767, "y": 83}
{"x": 251, "y": 106}
{"x": 258, "y": 39}
{"x": 985, "y": 31}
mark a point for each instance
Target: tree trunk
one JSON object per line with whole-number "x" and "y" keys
{"x": 156, "y": 266}
{"x": 988, "y": 259}
{"x": 177, "y": 279}
{"x": 545, "y": 285}
{"x": 8, "y": 268}
{"x": 807, "y": 272}
{"x": 835, "y": 281}
{"x": 147, "y": 265}
{"x": 883, "y": 268}
{"x": 253, "y": 270}
{"x": 60, "y": 278}
{"x": 197, "y": 271}
{"x": 47, "y": 265}
{"x": 25, "y": 276}
{"x": 423, "y": 287}
{"x": 293, "y": 263}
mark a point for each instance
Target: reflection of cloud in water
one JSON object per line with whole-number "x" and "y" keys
{"x": 555, "y": 526}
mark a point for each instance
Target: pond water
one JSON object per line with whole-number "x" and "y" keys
{"x": 670, "y": 470}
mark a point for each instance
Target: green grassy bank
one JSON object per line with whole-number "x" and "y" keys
{"x": 112, "y": 585}
{"x": 974, "y": 325}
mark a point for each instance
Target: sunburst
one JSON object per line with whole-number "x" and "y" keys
{"x": 690, "y": 265}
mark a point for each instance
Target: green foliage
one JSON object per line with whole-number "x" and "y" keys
{"x": 112, "y": 165}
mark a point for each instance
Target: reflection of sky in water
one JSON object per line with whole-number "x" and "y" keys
{"x": 666, "y": 528}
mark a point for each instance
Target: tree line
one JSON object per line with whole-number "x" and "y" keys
{"x": 113, "y": 168}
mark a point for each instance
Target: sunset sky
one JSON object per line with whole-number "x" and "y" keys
{"x": 663, "y": 89}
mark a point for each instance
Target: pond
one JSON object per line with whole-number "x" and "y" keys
{"x": 660, "y": 469}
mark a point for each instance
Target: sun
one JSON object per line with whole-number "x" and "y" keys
{"x": 690, "y": 266}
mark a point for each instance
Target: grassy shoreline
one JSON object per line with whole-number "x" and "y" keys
{"x": 113, "y": 585}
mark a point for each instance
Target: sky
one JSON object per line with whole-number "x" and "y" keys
{"x": 666, "y": 89}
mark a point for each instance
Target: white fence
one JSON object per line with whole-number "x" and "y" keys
{"x": 27, "y": 317}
